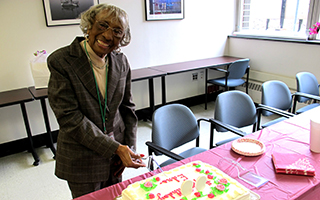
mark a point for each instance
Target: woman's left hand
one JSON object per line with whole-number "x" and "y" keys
{"x": 129, "y": 158}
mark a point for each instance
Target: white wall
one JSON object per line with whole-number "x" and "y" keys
{"x": 202, "y": 34}
{"x": 277, "y": 60}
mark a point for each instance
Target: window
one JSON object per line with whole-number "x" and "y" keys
{"x": 279, "y": 18}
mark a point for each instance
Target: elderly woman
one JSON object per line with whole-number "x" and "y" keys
{"x": 90, "y": 94}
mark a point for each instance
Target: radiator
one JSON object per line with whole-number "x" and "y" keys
{"x": 254, "y": 90}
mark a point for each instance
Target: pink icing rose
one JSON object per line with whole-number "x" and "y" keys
{"x": 148, "y": 184}
{"x": 223, "y": 181}
{"x": 220, "y": 187}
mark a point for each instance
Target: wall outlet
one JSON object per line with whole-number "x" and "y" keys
{"x": 194, "y": 76}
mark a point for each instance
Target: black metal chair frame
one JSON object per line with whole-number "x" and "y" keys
{"x": 297, "y": 94}
{"x": 256, "y": 126}
{"x": 226, "y": 81}
{"x": 213, "y": 123}
{"x": 156, "y": 148}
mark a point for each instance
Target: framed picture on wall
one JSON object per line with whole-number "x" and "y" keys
{"x": 65, "y": 12}
{"x": 164, "y": 9}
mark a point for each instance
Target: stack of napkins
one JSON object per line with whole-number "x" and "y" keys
{"x": 291, "y": 163}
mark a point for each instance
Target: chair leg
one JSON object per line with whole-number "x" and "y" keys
{"x": 226, "y": 83}
{"x": 254, "y": 128}
{"x": 211, "y": 135}
{"x": 150, "y": 161}
{"x": 247, "y": 84}
{"x": 294, "y": 104}
{"x": 259, "y": 120}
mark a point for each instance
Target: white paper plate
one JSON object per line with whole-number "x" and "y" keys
{"x": 248, "y": 147}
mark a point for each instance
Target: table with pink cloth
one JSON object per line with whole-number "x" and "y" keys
{"x": 289, "y": 136}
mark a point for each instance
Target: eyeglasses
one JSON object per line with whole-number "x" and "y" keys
{"x": 103, "y": 26}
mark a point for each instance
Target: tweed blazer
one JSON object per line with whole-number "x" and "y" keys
{"x": 84, "y": 151}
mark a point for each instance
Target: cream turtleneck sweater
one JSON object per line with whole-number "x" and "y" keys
{"x": 99, "y": 67}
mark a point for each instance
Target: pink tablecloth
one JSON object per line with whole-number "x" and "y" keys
{"x": 291, "y": 135}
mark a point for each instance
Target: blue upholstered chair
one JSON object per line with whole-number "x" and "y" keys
{"x": 276, "y": 94}
{"x": 233, "y": 76}
{"x": 172, "y": 126}
{"x": 234, "y": 108}
{"x": 237, "y": 109}
{"x": 307, "y": 83}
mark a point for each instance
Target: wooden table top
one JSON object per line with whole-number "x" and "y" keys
{"x": 16, "y": 96}
{"x": 145, "y": 73}
{"x": 38, "y": 93}
{"x": 196, "y": 64}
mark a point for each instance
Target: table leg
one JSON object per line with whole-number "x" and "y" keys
{"x": 227, "y": 74}
{"x": 26, "y": 123}
{"x": 206, "y": 89}
{"x": 151, "y": 96}
{"x": 163, "y": 87}
{"x": 47, "y": 123}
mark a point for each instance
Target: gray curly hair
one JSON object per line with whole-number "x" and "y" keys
{"x": 116, "y": 13}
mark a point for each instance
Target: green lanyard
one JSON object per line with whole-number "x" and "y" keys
{"x": 102, "y": 111}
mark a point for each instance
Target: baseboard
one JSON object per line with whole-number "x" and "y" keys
{"x": 22, "y": 145}
{"x": 39, "y": 140}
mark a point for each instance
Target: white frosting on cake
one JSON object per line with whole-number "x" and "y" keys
{"x": 167, "y": 185}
